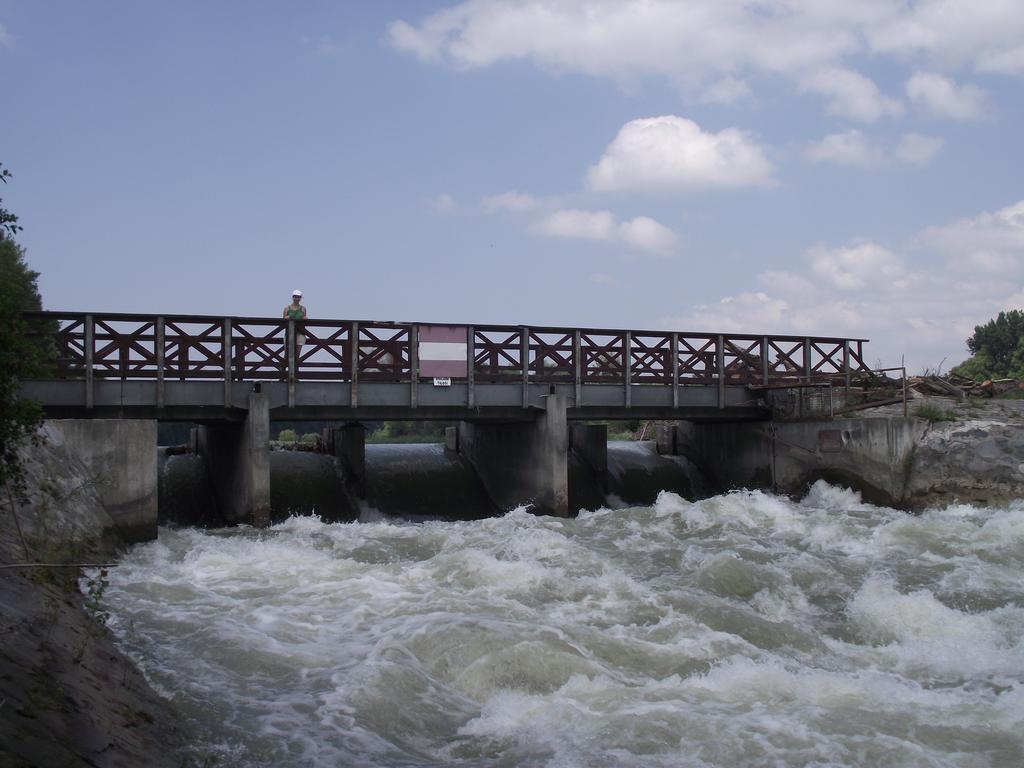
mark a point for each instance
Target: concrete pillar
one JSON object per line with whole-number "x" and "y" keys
{"x": 590, "y": 443}
{"x": 665, "y": 439}
{"x": 237, "y": 457}
{"x": 451, "y": 439}
{"x": 349, "y": 442}
{"x": 120, "y": 457}
{"x": 523, "y": 462}
{"x": 554, "y": 453}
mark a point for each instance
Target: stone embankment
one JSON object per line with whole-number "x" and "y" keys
{"x": 68, "y": 696}
{"x": 945, "y": 451}
{"x": 977, "y": 456}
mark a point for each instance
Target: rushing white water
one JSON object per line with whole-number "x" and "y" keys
{"x": 743, "y": 630}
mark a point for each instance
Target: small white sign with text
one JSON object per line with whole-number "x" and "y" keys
{"x": 442, "y": 381}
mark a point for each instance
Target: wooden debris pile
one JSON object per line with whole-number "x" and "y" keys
{"x": 961, "y": 387}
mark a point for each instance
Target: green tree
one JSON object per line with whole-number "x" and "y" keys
{"x": 8, "y": 221}
{"x": 997, "y": 348}
{"x": 23, "y": 351}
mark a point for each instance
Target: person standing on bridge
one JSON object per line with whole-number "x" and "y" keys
{"x": 296, "y": 311}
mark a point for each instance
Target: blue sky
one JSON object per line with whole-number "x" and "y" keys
{"x": 810, "y": 166}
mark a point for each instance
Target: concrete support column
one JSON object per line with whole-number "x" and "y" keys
{"x": 237, "y": 458}
{"x": 120, "y": 457}
{"x": 554, "y": 454}
{"x": 523, "y": 462}
{"x": 451, "y": 439}
{"x": 350, "y": 447}
{"x": 665, "y": 439}
{"x": 590, "y": 443}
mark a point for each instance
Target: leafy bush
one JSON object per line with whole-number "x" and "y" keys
{"x": 25, "y": 350}
{"x": 408, "y": 432}
{"x": 997, "y": 348}
{"x": 929, "y": 412}
{"x": 978, "y": 368}
{"x": 287, "y": 436}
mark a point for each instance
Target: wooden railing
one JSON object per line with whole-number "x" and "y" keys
{"x": 187, "y": 347}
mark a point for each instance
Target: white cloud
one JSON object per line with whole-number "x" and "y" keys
{"x": 989, "y": 242}
{"x": 751, "y": 312}
{"x": 786, "y": 283}
{"x": 1008, "y": 61}
{"x": 853, "y": 148}
{"x": 587, "y": 225}
{"x": 898, "y": 300}
{"x": 851, "y": 95}
{"x": 641, "y": 233}
{"x": 645, "y": 234}
{"x": 941, "y": 97}
{"x": 709, "y": 46}
{"x": 857, "y": 267}
{"x": 847, "y": 148}
{"x": 673, "y": 153}
{"x": 512, "y": 202}
{"x": 728, "y": 90}
{"x": 444, "y": 203}
{"x": 984, "y": 34}
{"x": 917, "y": 149}
{"x": 615, "y": 37}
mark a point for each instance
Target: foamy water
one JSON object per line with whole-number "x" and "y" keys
{"x": 743, "y": 630}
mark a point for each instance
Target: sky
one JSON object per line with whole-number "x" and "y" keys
{"x": 803, "y": 166}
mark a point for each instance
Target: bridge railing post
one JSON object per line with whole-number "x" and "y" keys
{"x": 765, "y": 363}
{"x": 627, "y": 367}
{"x": 846, "y": 372}
{"x": 577, "y": 366}
{"x": 89, "y": 329}
{"x": 470, "y": 367}
{"x": 290, "y": 342}
{"x": 226, "y": 353}
{"x": 353, "y": 338}
{"x": 414, "y": 365}
{"x": 720, "y": 361}
{"x": 160, "y": 393}
{"x": 524, "y": 354}
{"x": 674, "y": 351}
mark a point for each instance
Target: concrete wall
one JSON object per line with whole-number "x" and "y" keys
{"x": 120, "y": 457}
{"x": 873, "y": 456}
{"x": 237, "y": 458}
{"x": 348, "y": 444}
{"x": 523, "y": 462}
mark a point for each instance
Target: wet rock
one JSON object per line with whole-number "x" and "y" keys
{"x": 68, "y": 696}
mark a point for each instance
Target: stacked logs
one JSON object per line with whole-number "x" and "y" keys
{"x": 961, "y": 387}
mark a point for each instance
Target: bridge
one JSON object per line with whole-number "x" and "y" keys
{"x": 519, "y": 393}
{"x": 202, "y": 368}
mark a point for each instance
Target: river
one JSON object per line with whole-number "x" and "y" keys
{"x": 742, "y": 630}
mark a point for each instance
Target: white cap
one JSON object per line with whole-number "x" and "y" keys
{"x": 297, "y": 292}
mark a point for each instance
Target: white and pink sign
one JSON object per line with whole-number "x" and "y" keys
{"x": 442, "y": 350}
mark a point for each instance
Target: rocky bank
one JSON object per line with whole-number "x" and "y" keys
{"x": 976, "y": 456}
{"x": 68, "y": 696}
